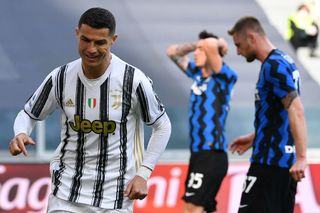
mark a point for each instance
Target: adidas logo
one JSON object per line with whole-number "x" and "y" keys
{"x": 69, "y": 103}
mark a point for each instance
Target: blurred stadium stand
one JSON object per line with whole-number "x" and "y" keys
{"x": 38, "y": 36}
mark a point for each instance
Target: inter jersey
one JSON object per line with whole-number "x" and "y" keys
{"x": 208, "y": 108}
{"x": 273, "y": 143}
{"x": 101, "y": 131}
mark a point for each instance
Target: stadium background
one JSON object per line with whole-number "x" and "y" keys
{"x": 36, "y": 36}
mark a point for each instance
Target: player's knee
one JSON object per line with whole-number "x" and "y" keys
{"x": 192, "y": 208}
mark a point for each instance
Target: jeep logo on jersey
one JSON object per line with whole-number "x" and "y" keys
{"x": 96, "y": 126}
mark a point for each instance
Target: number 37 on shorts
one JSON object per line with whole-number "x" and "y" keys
{"x": 248, "y": 183}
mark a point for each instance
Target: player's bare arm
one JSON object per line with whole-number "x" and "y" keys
{"x": 18, "y": 144}
{"x": 179, "y": 54}
{"x": 223, "y": 46}
{"x": 286, "y": 101}
{"x": 242, "y": 144}
{"x": 211, "y": 47}
{"x": 298, "y": 128}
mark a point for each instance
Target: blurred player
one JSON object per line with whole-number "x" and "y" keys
{"x": 99, "y": 165}
{"x": 280, "y": 137}
{"x": 211, "y": 90}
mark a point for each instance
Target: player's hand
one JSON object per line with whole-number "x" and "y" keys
{"x": 312, "y": 31}
{"x": 241, "y": 144}
{"x": 215, "y": 45}
{"x": 18, "y": 144}
{"x": 223, "y": 46}
{"x": 209, "y": 44}
{"x": 136, "y": 189}
{"x": 297, "y": 169}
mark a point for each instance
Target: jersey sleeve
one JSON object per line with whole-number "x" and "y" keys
{"x": 192, "y": 70}
{"x": 281, "y": 78}
{"x": 231, "y": 75}
{"x": 43, "y": 101}
{"x": 149, "y": 104}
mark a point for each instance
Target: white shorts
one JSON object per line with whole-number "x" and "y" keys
{"x": 57, "y": 205}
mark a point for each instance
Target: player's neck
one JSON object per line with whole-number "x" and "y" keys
{"x": 206, "y": 72}
{"x": 94, "y": 72}
{"x": 265, "y": 47}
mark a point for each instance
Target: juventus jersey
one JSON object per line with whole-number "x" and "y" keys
{"x": 273, "y": 144}
{"x": 101, "y": 130}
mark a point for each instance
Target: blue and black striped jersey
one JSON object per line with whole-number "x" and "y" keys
{"x": 208, "y": 108}
{"x": 273, "y": 143}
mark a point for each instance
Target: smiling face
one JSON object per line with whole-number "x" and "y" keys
{"x": 244, "y": 44}
{"x": 94, "y": 48}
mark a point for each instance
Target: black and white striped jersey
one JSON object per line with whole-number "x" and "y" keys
{"x": 101, "y": 129}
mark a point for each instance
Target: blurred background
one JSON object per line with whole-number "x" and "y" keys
{"x": 37, "y": 36}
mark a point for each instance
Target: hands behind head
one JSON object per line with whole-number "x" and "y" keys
{"x": 223, "y": 47}
{"x": 213, "y": 43}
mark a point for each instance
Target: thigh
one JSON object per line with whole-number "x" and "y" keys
{"x": 252, "y": 191}
{"x": 289, "y": 198}
{"x": 205, "y": 175}
{"x": 125, "y": 210}
{"x": 57, "y": 205}
{"x": 265, "y": 190}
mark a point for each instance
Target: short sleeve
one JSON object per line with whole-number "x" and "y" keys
{"x": 280, "y": 77}
{"x": 192, "y": 70}
{"x": 230, "y": 75}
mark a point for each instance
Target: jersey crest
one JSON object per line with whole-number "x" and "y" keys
{"x": 92, "y": 103}
{"x": 116, "y": 98}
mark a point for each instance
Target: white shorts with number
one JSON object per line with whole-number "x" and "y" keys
{"x": 57, "y": 205}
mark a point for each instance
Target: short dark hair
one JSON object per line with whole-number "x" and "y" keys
{"x": 204, "y": 34}
{"x": 98, "y": 18}
{"x": 247, "y": 23}
{"x": 303, "y": 6}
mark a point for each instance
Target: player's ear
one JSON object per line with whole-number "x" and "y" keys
{"x": 114, "y": 38}
{"x": 77, "y": 31}
{"x": 251, "y": 38}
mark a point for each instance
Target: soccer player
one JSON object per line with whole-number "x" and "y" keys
{"x": 211, "y": 90}
{"x": 99, "y": 165}
{"x": 278, "y": 158}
